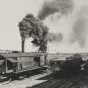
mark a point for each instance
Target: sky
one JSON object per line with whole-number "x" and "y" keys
{"x": 12, "y": 12}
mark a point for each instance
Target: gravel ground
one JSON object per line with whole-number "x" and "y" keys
{"x": 63, "y": 80}
{"x": 25, "y": 82}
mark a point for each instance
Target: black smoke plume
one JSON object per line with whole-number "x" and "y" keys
{"x": 62, "y": 6}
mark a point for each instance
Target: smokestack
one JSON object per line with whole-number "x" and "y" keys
{"x": 23, "y": 44}
{"x": 55, "y": 6}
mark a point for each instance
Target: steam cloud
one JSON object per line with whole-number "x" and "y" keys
{"x": 75, "y": 31}
{"x": 62, "y": 6}
{"x": 52, "y": 37}
{"x": 79, "y": 31}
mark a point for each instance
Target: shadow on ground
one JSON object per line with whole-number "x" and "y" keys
{"x": 64, "y": 80}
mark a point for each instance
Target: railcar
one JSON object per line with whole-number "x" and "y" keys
{"x": 12, "y": 65}
{"x": 67, "y": 64}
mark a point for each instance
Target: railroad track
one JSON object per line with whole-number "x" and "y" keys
{"x": 54, "y": 82}
{"x": 58, "y": 83}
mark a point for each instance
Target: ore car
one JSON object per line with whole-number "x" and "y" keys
{"x": 16, "y": 64}
{"x": 71, "y": 63}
